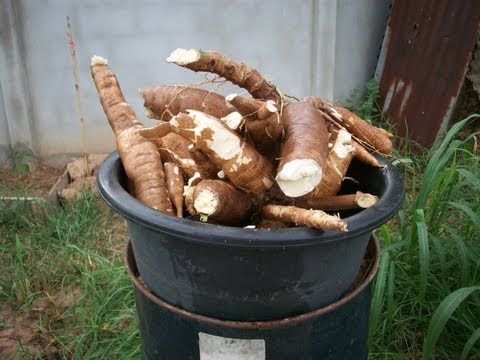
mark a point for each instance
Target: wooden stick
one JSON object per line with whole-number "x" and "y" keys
{"x": 71, "y": 45}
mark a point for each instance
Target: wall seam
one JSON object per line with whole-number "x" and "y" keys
{"x": 20, "y": 44}
{"x": 314, "y": 48}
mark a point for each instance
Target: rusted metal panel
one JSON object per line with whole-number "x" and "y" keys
{"x": 426, "y": 51}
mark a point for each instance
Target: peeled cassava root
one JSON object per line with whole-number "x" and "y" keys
{"x": 239, "y": 160}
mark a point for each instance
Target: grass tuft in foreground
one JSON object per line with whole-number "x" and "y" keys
{"x": 426, "y": 302}
{"x": 64, "y": 283}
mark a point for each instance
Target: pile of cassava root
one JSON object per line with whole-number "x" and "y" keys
{"x": 265, "y": 160}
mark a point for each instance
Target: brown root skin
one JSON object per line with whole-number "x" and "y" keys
{"x": 361, "y": 153}
{"x": 303, "y": 217}
{"x": 364, "y": 155}
{"x": 319, "y": 103}
{"x": 221, "y": 201}
{"x": 266, "y": 134}
{"x": 271, "y": 224}
{"x": 188, "y": 194}
{"x": 164, "y": 102}
{"x": 140, "y": 157}
{"x": 238, "y": 73}
{"x": 369, "y": 135}
{"x": 252, "y": 108}
{"x": 175, "y": 148}
{"x": 304, "y": 149}
{"x": 240, "y": 162}
{"x": 156, "y": 132}
{"x": 175, "y": 181}
{"x": 338, "y": 202}
{"x": 376, "y": 138}
{"x": 205, "y": 167}
{"x": 339, "y": 158}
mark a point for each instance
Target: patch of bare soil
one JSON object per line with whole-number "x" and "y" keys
{"x": 35, "y": 183}
{"x": 21, "y": 338}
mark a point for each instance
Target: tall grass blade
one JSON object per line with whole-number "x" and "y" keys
{"x": 385, "y": 234}
{"x": 469, "y": 344}
{"x": 378, "y": 293}
{"x": 438, "y": 158}
{"x": 441, "y": 316}
{"x": 462, "y": 257}
{"x": 444, "y": 188}
{"x": 390, "y": 294}
{"x": 470, "y": 177}
{"x": 440, "y": 252}
{"x": 423, "y": 251}
{"x": 467, "y": 210}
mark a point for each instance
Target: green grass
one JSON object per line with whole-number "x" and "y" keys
{"x": 425, "y": 303}
{"x": 69, "y": 252}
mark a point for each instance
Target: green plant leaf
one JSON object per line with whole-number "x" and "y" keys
{"x": 469, "y": 344}
{"x": 470, "y": 177}
{"x": 423, "y": 251}
{"x": 390, "y": 293}
{"x": 468, "y": 210}
{"x": 462, "y": 257}
{"x": 378, "y": 293}
{"x": 441, "y": 315}
{"x": 20, "y": 168}
{"x": 385, "y": 234}
{"x": 439, "y": 249}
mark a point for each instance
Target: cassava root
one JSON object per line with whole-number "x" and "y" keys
{"x": 140, "y": 156}
{"x": 238, "y": 73}
{"x": 303, "y": 217}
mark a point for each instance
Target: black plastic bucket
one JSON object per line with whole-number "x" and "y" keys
{"x": 249, "y": 274}
{"x": 337, "y": 331}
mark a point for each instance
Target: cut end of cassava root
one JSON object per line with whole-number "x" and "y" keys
{"x": 233, "y": 120}
{"x": 271, "y": 106}
{"x": 206, "y": 203}
{"x": 343, "y": 145}
{"x": 298, "y": 177}
{"x": 98, "y": 60}
{"x": 365, "y": 200}
{"x": 184, "y": 56}
{"x": 221, "y": 201}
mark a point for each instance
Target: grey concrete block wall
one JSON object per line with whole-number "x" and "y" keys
{"x": 324, "y": 47}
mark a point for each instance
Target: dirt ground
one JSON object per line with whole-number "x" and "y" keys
{"x": 35, "y": 183}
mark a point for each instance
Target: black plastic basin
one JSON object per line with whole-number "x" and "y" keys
{"x": 338, "y": 331}
{"x": 249, "y": 274}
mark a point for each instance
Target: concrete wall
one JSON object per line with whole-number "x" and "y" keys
{"x": 325, "y": 48}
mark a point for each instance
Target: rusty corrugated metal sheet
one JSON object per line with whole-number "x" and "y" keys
{"x": 425, "y": 55}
